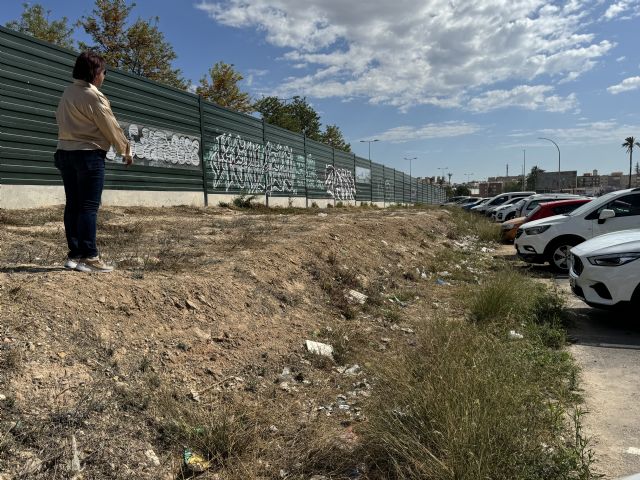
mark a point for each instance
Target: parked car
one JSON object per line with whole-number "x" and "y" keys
{"x": 467, "y": 201}
{"x": 499, "y": 200}
{"x": 542, "y": 210}
{"x": 491, "y": 212}
{"x": 479, "y": 201}
{"x": 523, "y": 209}
{"x": 605, "y": 271}
{"x": 452, "y": 200}
{"x": 550, "y": 239}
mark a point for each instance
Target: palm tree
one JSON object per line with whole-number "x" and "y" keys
{"x": 629, "y": 143}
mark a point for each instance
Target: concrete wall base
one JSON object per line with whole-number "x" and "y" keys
{"x": 34, "y": 196}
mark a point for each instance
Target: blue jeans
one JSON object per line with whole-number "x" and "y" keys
{"x": 83, "y": 177}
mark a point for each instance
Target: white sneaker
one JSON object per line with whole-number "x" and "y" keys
{"x": 93, "y": 264}
{"x": 71, "y": 263}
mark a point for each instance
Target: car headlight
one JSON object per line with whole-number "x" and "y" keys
{"x": 614, "y": 259}
{"x": 537, "y": 230}
{"x": 508, "y": 226}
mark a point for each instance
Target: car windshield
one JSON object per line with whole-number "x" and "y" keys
{"x": 594, "y": 204}
{"x": 535, "y": 210}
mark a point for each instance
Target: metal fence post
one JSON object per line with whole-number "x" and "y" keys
{"x": 394, "y": 186}
{"x": 333, "y": 162}
{"x": 371, "y": 180}
{"x": 306, "y": 174}
{"x": 355, "y": 180}
{"x": 264, "y": 162}
{"x": 384, "y": 188}
{"x": 205, "y": 187}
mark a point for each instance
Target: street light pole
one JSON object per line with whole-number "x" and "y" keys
{"x": 524, "y": 168}
{"x": 548, "y": 139}
{"x": 369, "y": 142}
{"x": 412, "y": 158}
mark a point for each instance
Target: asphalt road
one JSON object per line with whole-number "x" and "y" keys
{"x": 607, "y": 347}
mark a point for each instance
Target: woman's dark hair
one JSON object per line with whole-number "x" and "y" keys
{"x": 88, "y": 66}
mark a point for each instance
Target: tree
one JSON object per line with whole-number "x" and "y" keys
{"x": 532, "y": 178}
{"x": 296, "y": 115}
{"x": 34, "y": 21}
{"x": 462, "y": 190}
{"x": 333, "y": 136}
{"x": 629, "y": 143}
{"x": 300, "y": 117}
{"x": 139, "y": 49}
{"x": 512, "y": 187}
{"x": 224, "y": 89}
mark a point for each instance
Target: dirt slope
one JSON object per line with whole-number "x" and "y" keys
{"x": 203, "y": 302}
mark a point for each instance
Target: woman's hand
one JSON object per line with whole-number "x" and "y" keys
{"x": 127, "y": 159}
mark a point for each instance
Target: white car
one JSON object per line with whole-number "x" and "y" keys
{"x": 551, "y": 238}
{"x": 499, "y": 200}
{"x": 529, "y": 204}
{"x": 605, "y": 271}
{"x": 507, "y": 212}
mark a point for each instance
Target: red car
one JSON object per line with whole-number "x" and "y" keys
{"x": 543, "y": 210}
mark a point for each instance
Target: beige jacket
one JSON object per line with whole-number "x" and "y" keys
{"x": 86, "y": 122}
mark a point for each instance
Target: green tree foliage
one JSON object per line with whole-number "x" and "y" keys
{"x": 462, "y": 190}
{"x": 296, "y": 115}
{"x": 628, "y": 144}
{"x": 532, "y": 178}
{"x": 223, "y": 88}
{"x": 34, "y": 21}
{"x": 512, "y": 187}
{"x": 139, "y": 49}
{"x": 300, "y": 117}
{"x": 333, "y": 136}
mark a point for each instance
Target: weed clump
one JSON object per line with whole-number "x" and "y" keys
{"x": 465, "y": 404}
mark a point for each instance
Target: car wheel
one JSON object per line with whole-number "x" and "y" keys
{"x": 510, "y": 216}
{"x": 558, "y": 256}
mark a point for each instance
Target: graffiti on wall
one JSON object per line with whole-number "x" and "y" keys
{"x": 238, "y": 164}
{"x": 340, "y": 183}
{"x": 155, "y": 147}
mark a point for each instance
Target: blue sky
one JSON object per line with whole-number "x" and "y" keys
{"x": 457, "y": 84}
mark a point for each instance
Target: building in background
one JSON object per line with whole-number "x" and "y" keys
{"x": 490, "y": 189}
{"x": 548, "y": 181}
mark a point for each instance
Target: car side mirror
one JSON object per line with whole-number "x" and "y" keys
{"x": 605, "y": 214}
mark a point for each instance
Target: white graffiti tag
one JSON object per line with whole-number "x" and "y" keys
{"x": 339, "y": 183}
{"x": 236, "y": 163}
{"x": 162, "y": 148}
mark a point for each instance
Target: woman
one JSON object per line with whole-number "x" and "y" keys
{"x": 86, "y": 130}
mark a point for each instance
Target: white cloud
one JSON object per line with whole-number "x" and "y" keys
{"x": 621, "y": 59}
{"x": 524, "y": 96}
{"x": 624, "y": 9}
{"x": 412, "y": 52}
{"x": 252, "y": 73}
{"x": 431, "y": 130}
{"x": 591, "y": 133}
{"x": 631, "y": 83}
